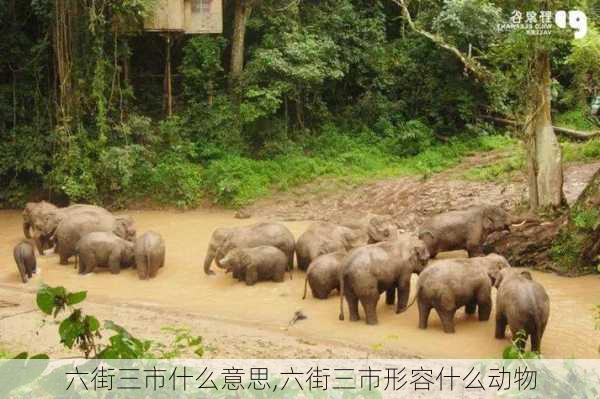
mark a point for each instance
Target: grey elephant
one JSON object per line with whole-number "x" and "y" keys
{"x": 384, "y": 267}
{"x": 522, "y": 304}
{"x": 104, "y": 249}
{"x": 74, "y": 227}
{"x": 467, "y": 229}
{"x": 323, "y": 274}
{"x": 224, "y": 240}
{"x": 254, "y": 264}
{"x": 449, "y": 284}
{"x": 24, "y": 255}
{"x": 34, "y": 212}
{"x": 323, "y": 237}
{"x": 377, "y": 227}
{"x": 149, "y": 254}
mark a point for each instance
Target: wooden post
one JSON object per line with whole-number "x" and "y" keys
{"x": 168, "y": 85}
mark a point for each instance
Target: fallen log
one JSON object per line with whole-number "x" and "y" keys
{"x": 569, "y": 132}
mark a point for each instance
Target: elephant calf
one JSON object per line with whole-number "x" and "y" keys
{"x": 523, "y": 304}
{"x": 102, "y": 249}
{"x": 149, "y": 254}
{"x": 449, "y": 284}
{"x": 260, "y": 263}
{"x": 25, "y": 258}
{"x": 466, "y": 229}
{"x": 323, "y": 274}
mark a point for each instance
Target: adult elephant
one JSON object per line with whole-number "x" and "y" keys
{"x": 467, "y": 229}
{"x": 72, "y": 228}
{"x": 323, "y": 237}
{"x": 384, "y": 267}
{"x": 224, "y": 240}
{"x": 34, "y": 212}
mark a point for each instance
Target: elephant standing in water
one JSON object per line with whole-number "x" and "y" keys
{"x": 466, "y": 229}
{"x": 449, "y": 284}
{"x": 226, "y": 239}
{"x": 33, "y": 213}
{"x": 387, "y": 266}
{"x": 149, "y": 254}
{"x": 324, "y": 237}
{"x": 24, "y": 255}
{"x": 254, "y": 264}
{"x": 522, "y": 304}
{"x": 104, "y": 249}
{"x": 323, "y": 274}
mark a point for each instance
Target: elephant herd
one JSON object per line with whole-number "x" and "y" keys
{"x": 91, "y": 234}
{"x": 365, "y": 258}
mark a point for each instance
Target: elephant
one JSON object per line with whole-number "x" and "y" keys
{"x": 149, "y": 254}
{"x": 24, "y": 255}
{"x": 322, "y": 238}
{"x": 387, "y": 266}
{"x": 449, "y": 284}
{"x": 522, "y": 304}
{"x": 35, "y": 211}
{"x": 224, "y": 240}
{"x": 254, "y": 264}
{"x": 72, "y": 228}
{"x": 377, "y": 227}
{"x": 104, "y": 249}
{"x": 467, "y": 229}
{"x": 323, "y": 274}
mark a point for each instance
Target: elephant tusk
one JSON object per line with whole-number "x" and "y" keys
{"x": 519, "y": 224}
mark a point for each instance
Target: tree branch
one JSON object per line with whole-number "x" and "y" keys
{"x": 478, "y": 70}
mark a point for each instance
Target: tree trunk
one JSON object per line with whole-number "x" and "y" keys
{"x": 242, "y": 11}
{"x": 544, "y": 158}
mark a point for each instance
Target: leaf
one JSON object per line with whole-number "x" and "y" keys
{"x": 70, "y": 330}
{"x": 45, "y": 300}
{"x": 76, "y": 297}
{"x": 40, "y": 356}
{"x": 22, "y": 355}
{"x": 92, "y": 323}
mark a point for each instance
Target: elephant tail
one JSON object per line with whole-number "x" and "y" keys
{"x": 305, "y": 285}
{"x": 412, "y": 302}
{"x": 341, "y": 316}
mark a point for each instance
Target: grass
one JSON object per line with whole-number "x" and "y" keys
{"x": 575, "y": 119}
{"x": 236, "y": 181}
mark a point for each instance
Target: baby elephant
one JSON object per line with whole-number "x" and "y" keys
{"x": 103, "y": 249}
{"x": 149, "y": 254}
{"x": 323, "y": 274}
{"x": 449, "y": 284}
{"x": 523, "y": 304}
{"x": 25, "y": 258}
{"x": 261, "y": 263}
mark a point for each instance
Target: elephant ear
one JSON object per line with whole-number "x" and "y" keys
{"x": 527, "y": 275}
{"x": 244, "y": 258}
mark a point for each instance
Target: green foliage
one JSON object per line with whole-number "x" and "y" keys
{"x": 515, "y": 351}
{"x": 576, "y": 119}
{"x": 584, "y": 66}
{"x": 83, "y": 332}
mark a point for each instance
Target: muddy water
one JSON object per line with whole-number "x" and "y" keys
{"x": 183, "y": 285}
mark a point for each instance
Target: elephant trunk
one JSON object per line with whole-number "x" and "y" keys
{"x": 27, "y": 229}
{"x": 411, "y": 302}
{"x": 341, "y": 317}
{"x": 210, "y": 255}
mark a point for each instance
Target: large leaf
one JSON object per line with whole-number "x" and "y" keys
{"x": 45, "y": 300}
{"x": 76, "y": 297}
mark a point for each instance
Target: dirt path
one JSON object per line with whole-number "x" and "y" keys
{"x": 247, "y": 322}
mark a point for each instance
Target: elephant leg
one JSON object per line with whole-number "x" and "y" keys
{"x": 369, "y": 304}
{"x": 470, "y": 307}
{"x": 390, "y": 296}
{"x": 500, "y": 326}
{"x": 22, "y": 271}
{"x": 279, "y": 276}
{"x": 64, "y": 259}
{"x": 484, "y": 303}
{"x": 447, "y": 318}
{"x": 474, "y": 249}
{"x": 251, "y": 275}
{"x": 403, "y": 293}
{"x": 352, "y": 305}
{"x": 114, "y": 262}
{"x": 39, "y": 244}
{"x": 536, "y": 341}
{"x": 424, "y": 310}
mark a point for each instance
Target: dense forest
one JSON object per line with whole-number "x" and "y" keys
{"x": 291, "y": 90}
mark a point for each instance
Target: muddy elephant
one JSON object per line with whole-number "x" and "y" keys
{"x": 384, "y": 267}
{"x": 467, "y": 229}
{"x": 149, "y": 254}
{"x": 104, "y": 249}
{"x": 323, "y": 274}
{"x": 73, "y": 227}
{"x": 322, "y": 238}
{"x": 224, "y": 240}
{"x": 522, "y": 304}
{"x": 262, "y": 263}
{"x": 449, "y": 284}
{"x": 377, "y": 227}
{"x": 24, "y": 255}
{"x": 35, "y": 212}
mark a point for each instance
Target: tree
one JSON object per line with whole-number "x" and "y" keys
{"x": 242, "y": 11}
